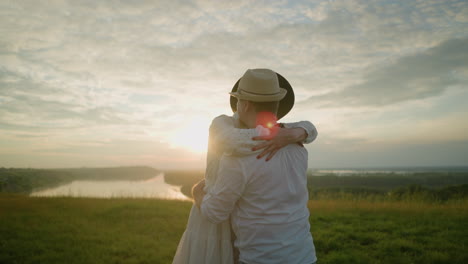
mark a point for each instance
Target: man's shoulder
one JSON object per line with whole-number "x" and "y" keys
{"x": 291, "y": 153}
{"x": 295, "y": 148}
{"x": 232, "y": 164}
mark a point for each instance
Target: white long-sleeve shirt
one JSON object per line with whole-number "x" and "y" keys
{"x": 267, "y": 202}
{"x": 225, "y": 137}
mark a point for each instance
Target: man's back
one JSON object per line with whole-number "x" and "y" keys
{"x": 270, "y": 216}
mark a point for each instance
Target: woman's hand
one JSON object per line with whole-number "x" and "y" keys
{"x": 198, "y": 193}
{"x": 282, "y": 138}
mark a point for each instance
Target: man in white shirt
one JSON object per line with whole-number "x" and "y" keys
{"x": 266, "y": 201}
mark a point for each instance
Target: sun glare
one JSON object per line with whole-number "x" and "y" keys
{"x": 192, "y": 136}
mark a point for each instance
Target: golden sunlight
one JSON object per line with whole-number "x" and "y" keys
{"x": 192, "y": 136}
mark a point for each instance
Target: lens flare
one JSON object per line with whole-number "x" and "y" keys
{"x": 268, "y": 120}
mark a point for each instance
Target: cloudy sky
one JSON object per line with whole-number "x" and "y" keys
{"x": 116, "y": 83}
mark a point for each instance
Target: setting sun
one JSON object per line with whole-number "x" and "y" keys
{"x": 192, "y": 136}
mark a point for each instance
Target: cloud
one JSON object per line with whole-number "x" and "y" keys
{"x": 141, "y": 69}
{"x": 30, "y": 104}
{"x": 121, "y": 152}
{"x": 373, "y": 155}
{"x": 142, "y": 44}
{"x": 412, "y": 77}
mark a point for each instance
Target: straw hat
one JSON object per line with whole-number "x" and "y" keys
{"x": 263, "y": 85}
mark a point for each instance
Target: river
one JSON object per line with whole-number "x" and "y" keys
{"x": 152, "y": 188}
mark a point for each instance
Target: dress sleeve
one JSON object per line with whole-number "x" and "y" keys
{"x": 226, "y": 138}
{"x": 308, "y": 127}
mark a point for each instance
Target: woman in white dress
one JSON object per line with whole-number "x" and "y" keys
{"x": 203, "y": 241}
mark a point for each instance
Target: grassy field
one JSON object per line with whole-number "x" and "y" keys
{"x": 84, "y": 230}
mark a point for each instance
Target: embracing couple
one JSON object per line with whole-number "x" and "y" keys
{"x": 250, "y": 210}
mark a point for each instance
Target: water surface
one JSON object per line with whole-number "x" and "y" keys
{"x": 152, "y": 188}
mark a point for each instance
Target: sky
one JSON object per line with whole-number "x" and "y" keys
{"x": 124, "y": 83}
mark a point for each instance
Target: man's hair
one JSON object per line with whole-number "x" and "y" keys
{"x": 266, "y": 106}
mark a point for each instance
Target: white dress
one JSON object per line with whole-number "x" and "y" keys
{"x": 203, "y": 241}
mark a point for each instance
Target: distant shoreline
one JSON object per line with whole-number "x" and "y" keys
{"x": 461, "y": 168}
{"x": 397, "y": 169}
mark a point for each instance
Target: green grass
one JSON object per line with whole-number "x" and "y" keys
{"x": 397, "y": 232}
{"x": 75, "y": 230}
{"x": 84, "y": 230}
